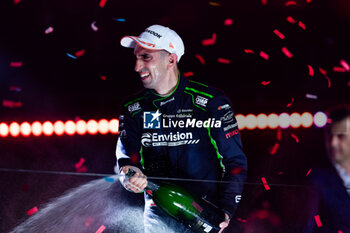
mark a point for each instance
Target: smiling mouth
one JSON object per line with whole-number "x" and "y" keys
{"x": 144, "y": 76}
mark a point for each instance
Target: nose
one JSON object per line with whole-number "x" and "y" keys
{"x": 334, "y": 141}
{"x": 138, "y": 65}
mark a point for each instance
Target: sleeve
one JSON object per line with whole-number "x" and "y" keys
{"x": 227, "y": 141}
{"x": 128, "y": 145}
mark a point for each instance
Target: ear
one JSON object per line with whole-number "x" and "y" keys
{"x": 172, "y": 59}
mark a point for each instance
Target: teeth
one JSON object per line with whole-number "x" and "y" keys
{"x": 144, "y": 75}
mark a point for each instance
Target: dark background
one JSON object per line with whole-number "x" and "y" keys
{"x": 55, "y": 86}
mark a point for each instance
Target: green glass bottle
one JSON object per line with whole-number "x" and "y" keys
{"x": 197, "y": 214}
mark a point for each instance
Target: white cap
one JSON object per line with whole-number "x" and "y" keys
{"x": 157, "y": 37}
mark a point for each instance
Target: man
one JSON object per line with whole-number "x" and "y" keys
{"x": 178, "y": 128}
{"x": 329, "y": 196}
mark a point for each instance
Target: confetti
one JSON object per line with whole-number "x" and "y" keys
{"x": 301, "y": 24}
{"x": 103, "y": 77}
{"x": 295, "y": 137}
{"x": 32, "y": 211}
{"x": 236, "y": 170}
{"x": 94, "y": 27}
{"x": 339, "y": 69}
{"x": 279, "y": 134}
{"x": 279, "y": 34}
{"x": 101, "y": 229}
{"x": 79, "y": 166}
{"x": 311, "y": 70}
{"x": 265, "y": 83}
{"x": 16, "y": 64}
{"x": 322, "y": 71}
{"x": 264, "y": 55}
{"x": 80, "y": 53}
{"x": 228, "y": 22}
{"x": 120, "y": 20}
{"x": 109, "y": 179}
{"x": 71, "y": 56}
{"x": 329, "y": 81}
{"x": 224, "y": 61}
{"x": 241, "y": 220}
{"x": 15, "y": 88}
{"x": 290, "y": 3}
{"x": 308, "y": 172}
{"x": 290, "y": 104}
{"x": 211, "y": 41}
{"x": 310, "y": 96}
{"x": 248, "y": 51}
{"x": 11, "y": 104}
{"x": 274, "y": 148}
{"x": 344, "y": 64}
{"x": 290, "y": 19}
{"x": 265, "y": 183}
{"x": 200, "y": 58}
{"x": 318, "y": 221}
{"x": 49, "y": 30}
{"x": 88, "y": 222}
{"x": 102, "y": 3}
{"x": 188, "y": 74}
{"x": 214, "y": 4}
{"x": 287, "y": 52}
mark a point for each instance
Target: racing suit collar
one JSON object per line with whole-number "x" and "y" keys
{"x": 163, "y": 100}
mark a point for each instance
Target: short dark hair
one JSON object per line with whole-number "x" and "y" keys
{"x": 338, "y": 113}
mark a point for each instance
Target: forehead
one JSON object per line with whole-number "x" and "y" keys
{"x": 341, "y": 127}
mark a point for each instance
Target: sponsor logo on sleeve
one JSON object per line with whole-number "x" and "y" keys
{"x": 231, "y": 126}
{"x": 227, "y": 118}
{"x": 200, "y": 100}
{"x": 134, "y": 107}
{"x": 224, "y": 107}
{"x": 232, "y": 133}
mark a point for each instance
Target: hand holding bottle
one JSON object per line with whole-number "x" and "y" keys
{"x": 136, "y": 183}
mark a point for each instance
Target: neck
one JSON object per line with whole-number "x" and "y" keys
{"x": 169, "y": 84}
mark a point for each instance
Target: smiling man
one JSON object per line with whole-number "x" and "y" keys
{"x": 178, "y": 128}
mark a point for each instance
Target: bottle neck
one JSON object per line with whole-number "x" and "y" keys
{"x": 151, "y": 186}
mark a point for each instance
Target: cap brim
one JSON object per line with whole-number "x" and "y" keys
{"x": 131, "y": 41}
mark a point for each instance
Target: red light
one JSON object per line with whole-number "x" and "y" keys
{"x": 47, "y": 128}
{"x": 81, "y": 127}
{"x": 113, "y": 126}
{"x": 103, "y": 126}
{"x": 37, "y": 129}
{"x": 14, "y": 129}
{"x": 92, "y": 127}
{"x": 58, "y": 128}
{"x": 25, "y": 129}
{"x": 4, "y": 130}
{"x": 69, "y": 127}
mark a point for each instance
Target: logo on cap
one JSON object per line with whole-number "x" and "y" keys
{"x": 153, "y": 33}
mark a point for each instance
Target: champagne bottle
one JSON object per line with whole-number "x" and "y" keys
{"x": 196, "y": 214}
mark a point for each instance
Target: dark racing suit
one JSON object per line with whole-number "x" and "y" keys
{"x": 192, "y": 133}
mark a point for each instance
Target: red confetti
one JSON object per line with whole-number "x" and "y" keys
{"x": 290, "y": 3}
{"x": 241, "y": 220}
{"x": 344, "y": 64}
{"x": 80, "y": 53}
{"x": 339, "y": 69}
{"x": 49, "y": 30}
{"x": 274, "y": 148}
{"x": 279, "y": 34}
{"x": 290, "y": 104}
{"x": 290, "y": 19}
{"x": 311, "y": 70}
{"x": 15, "y": 88}
{"x": 200, "y": 58}
{"x": 265, "y": 183}
{"x": 103, "y": 77}
{"x": 16, "y": 1}
{"x": 228, "y": 22}
{"x": 32, "y": 210}
{"x": 79, "y": 166}
{"x": 149, "y": 192}
{"x": 322, "y": 71}
{"x": 301, "y": 24}
{"x": 329, "y": 81}
{"x": 236, "y": 170}
{"x": 224, "y": 61}
{"x": 279, "y": 134}
{"x": 308, "y": 173}
{"x": 248, "y": 51}
{"x": 287, "y": 52}
{"x": 295, "y": 137}
{"x": 211, "y": 41}
{"x": 101, "y": 229}
{"x": 88, "y": 222}
{"x": 11, "y": 104}
{"x": 318, "y": 221}
{"x": 264, "y": 55}
{"x": 188, "y": 74}
{"x": 102, "y": 3}
{"x": 265, "y": 83}
{"x": 16, "y": 64}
